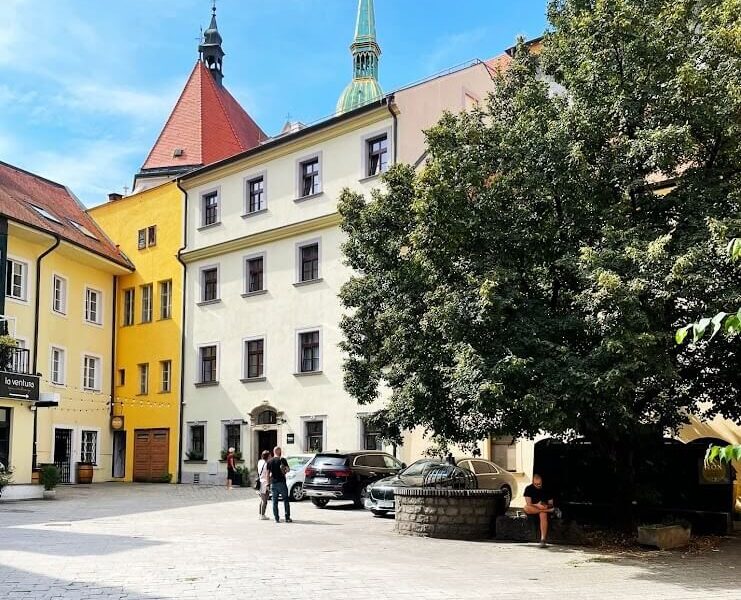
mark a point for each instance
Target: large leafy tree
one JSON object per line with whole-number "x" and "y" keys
{"x": 531, "y": 277}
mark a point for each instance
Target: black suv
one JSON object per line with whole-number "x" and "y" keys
{"x": 346, "y": 475}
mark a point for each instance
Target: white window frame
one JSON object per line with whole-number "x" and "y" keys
{"x": 224, "y": 440}
{"x": 297, "y": 349}
{"x": 364, "y": 162}
{"x": 62, "y": 310}
{"x": 245, "y": 370}
{"x": 246, "y": 186}
{"x": 162, "y": 376}
{"x": 297, "y": 259}
{"x": 63, "y": 364}
{"x": 202, "y": 285}
{"x": 202, "y": 207}
{"x": 160, "y": 285}
{"x": 150, "y": 311}
{"x": 142, "y": 369}
{"x": 24, "y": 279}
{"x": 128, "y": 322}
{"x": 246, "y": 273}
{"x": 97, "y": 432}
{"x": 305, "y": 438}
{"x": 98, "y": 306}
{"x": 189, "y": 446}
{"x": 198, "y": 363}
{"x": 98, "y": 383}
{"x": 300, "y": 175}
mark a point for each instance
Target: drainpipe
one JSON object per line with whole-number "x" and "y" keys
{"x": 181, "y": 415}
{"x": 390, "y": 104}
{"x": 113, "y": 344}
{"x": 37, "y": 304}
{"x": 3, "y": 268}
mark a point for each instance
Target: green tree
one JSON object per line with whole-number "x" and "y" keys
{"x": 530, "y": 278}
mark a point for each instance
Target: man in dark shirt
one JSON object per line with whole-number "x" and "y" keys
{"x": 539, "y": 502}
{"x": 277, "y": 469}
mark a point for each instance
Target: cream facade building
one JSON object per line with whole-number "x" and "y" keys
{"x": 264, "y": 266}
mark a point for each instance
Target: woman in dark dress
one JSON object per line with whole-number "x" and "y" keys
{"x": 231, "y": 468}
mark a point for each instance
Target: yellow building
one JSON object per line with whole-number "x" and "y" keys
{"x": 148, "y": 227}
{"x": 59, "y": 271}
{"x": 206, "y": 125}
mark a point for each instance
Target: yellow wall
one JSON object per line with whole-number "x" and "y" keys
{"x": 78, "y": 409}
{"x": 159, "y": 340}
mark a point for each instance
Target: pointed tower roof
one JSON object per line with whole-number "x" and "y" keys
{"x": 364, "y": 87}
{"x": 206, "y": 125}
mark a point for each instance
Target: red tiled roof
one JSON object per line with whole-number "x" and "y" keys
{"x": 498, "y": 63}
{"x": 21, "y": 191}
{"x": 207, "y": 124}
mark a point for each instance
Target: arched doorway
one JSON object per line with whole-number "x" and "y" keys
{"x": 266, "y": 421}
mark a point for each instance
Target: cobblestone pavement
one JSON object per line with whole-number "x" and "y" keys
{"x": 159, "y": 541}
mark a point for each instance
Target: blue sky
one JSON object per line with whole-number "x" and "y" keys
{"x": 86, "y": 85}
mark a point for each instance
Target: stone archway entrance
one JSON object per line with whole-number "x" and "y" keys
{"x": 266, "y": 423}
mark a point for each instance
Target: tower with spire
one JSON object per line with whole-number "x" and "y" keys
{"x": 207, "y": 123}
{"x": 364, "y": 87}
{"x": 210, "y": 50}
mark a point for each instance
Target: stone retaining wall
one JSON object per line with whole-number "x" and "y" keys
{"x": 444, "y": 513}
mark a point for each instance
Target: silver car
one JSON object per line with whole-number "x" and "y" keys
{"x": 491, "y": 476}
{"x": 295, "y": 477}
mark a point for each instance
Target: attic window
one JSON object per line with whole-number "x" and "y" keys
{"x": 46, "y": 214}
{"x": 178, "y": 152}
{"x": 84, "y": 230}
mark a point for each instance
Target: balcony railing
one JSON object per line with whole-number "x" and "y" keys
{"x": 15, "y": 360}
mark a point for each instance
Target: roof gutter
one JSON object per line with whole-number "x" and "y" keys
{"x": 179, "y": 256}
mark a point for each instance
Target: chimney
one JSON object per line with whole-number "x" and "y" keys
{"x": 113, "y": 196}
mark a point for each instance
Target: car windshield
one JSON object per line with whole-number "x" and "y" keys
{"x": 296, "y": 462}
{"x": 421, "y": 467}
{"x": 329, "y": 461}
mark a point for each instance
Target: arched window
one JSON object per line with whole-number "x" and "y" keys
{"x": 267, "y": 417}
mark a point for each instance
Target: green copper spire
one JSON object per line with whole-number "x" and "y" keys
{"x": 364, "y": 87}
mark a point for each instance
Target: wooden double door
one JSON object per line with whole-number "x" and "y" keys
{"x": 151, "y": 455}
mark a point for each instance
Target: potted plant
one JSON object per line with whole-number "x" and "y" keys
{"x": 8, "y": 344}
{"x": 243, "y": 474}
{"x": 194, "y": 455}
{"x": 237, "y": 455}
{"x": 49, "y": 477}
{"x": 6, "y": 477}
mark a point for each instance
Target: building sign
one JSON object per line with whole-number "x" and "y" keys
{"x": 19, "y": 387}
{"x": 117, "y": 423}
{"x": 290, "y": 438}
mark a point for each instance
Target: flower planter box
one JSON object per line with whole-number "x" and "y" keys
{"x": 664, "y": 537}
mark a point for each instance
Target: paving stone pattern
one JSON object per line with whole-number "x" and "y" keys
{"x": 180, "y": 542}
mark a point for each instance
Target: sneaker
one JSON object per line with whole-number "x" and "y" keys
{"x": 289, "y": 520}
{"x": 263, "y": 518}
{"x": 277, "y": 520}
{"x": 543, "y": 544}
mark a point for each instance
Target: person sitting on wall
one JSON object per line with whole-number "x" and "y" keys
{"x": 539, "y": 502}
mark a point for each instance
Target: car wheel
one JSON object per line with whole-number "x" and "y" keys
{"x": 297, "y": 492}
{"x": 359, "y": 500}
{"x": 507, "y": 493}
{"x": 319, "y": 502}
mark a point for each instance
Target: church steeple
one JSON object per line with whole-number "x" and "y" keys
{"x": 366, "y": 52}
{"x": 212, "y": 54}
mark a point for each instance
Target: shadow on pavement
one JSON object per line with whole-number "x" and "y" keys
{"x": 25, "y": 584}
{"x": 58, "y": 542}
